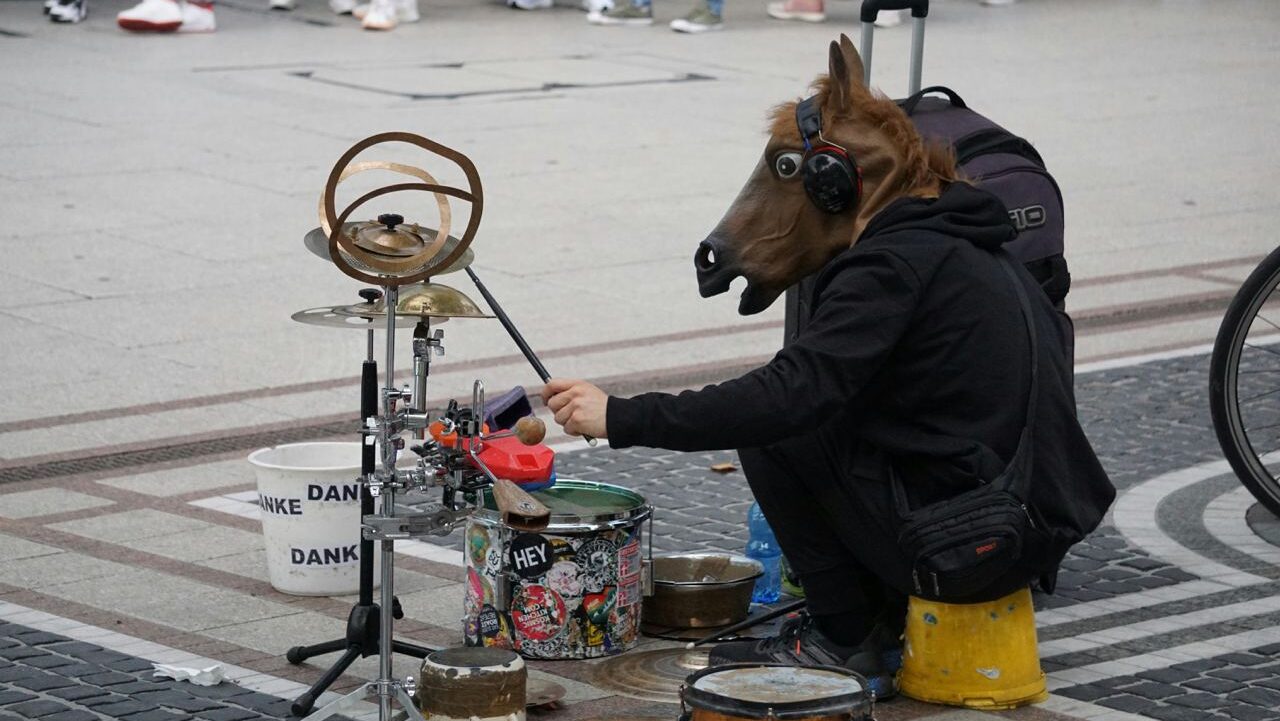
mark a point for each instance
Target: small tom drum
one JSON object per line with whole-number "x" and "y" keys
{"x": 472, "y": 684}
{"x": 737, "y": 692}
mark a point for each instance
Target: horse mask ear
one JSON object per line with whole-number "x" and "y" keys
{"x": 846, "y": 72}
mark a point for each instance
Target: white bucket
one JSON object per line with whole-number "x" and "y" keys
{"x": 309, "y": 496}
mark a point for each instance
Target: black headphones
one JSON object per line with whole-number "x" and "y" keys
{"x": 831, "y": 177}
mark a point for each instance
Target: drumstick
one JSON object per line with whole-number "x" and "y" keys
{"x": 529, "y": 355}
{"x": 744, "y": 625}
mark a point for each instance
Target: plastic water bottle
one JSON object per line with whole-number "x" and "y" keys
{"x": 763, "y": 547}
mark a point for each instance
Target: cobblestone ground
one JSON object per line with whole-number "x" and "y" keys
{"x": 1133, "y": 628}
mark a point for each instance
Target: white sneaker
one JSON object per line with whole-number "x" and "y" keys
{"x": 342, "y": 7}
{"x": 597, "y": 6}
{"x": 48, "y": 5}
{"x": 282, "y": 4}
{"x": 997, "y": 2}
{"x": 530, "y": 4}
{"x": 68, "y": 11}
{"x": 406, "y": 11}
{"x": 890, "y": 18}
{"x": 197, "y": 17}
{"x": 151, "y": 16}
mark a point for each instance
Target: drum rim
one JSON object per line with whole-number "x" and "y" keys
{"x": 828, "y": 706}
{"x": 575, "y": 523}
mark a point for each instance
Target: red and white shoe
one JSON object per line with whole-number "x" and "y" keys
{"x": 166, "y": 16}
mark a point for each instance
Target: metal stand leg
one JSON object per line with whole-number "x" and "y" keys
{"x": 303, "y": 703}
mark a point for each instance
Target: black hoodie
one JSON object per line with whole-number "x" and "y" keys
{"x": 918, "y": 345}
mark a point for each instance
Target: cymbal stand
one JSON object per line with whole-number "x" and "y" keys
{"x": 361, "y": 639}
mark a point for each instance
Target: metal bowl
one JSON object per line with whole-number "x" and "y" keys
{"x": 700, "y": 590}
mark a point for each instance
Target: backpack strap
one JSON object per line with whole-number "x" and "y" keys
{"x": 908, "y": 105}
{"x": 1018, "y": 471}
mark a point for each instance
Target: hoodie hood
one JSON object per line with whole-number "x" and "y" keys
{"x": 961, "y": 211}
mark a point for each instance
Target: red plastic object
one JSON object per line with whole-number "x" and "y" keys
{"x": 510, "y": 459}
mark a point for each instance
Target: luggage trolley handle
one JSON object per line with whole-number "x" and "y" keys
{"x": 919, "y": 11}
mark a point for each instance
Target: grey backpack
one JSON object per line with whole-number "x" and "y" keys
{"x": 1008, "y": 167}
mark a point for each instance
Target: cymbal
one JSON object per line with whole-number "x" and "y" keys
{"x": 317, "y": 241}
{"x": 420, "y": 300}
{"x": 328, "y": 317}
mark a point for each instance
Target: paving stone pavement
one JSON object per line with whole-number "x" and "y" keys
{"x": 1128, "y": 630}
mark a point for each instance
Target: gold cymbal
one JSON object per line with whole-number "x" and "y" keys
{"x": 420, "y": 300}
{"x": 406, "y": 240}
{"x": 328, "y": 317}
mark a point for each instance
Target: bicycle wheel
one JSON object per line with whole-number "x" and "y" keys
{"x": 1244, "y": 383}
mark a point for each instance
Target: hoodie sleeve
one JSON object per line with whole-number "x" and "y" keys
{"x": 861, "y": 315}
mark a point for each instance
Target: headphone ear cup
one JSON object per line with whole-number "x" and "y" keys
{"x": 832, "y": 181}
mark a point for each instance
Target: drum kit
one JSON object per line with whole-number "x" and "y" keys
{"x": 557, "y": 573}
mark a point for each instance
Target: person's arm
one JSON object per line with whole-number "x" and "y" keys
{"x": 862, "y": 315}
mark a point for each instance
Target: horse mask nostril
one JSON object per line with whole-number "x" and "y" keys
{"x": 706, "y": 256}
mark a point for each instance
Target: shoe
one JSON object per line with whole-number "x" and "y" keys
{"x": 282, "y": 4}
{"x": 803, "y": 10}
{"x": 68, "y": 11}
{"x": 699, "y": 20}
{"x": 342, "y": 7}
{"x": 800, "y": 643}
{"x": 889, "y": 18}
{"x": 406, "y": 11}
{"x": 530, "y": 4}
{"x": 197, "y": 17}
{"x": 151, "y": 16}
{"x": 997, "y": 3}
{"x": 48, "y": 5}
{"x": 624, "y": 13}
{"x": 597, "y": 6}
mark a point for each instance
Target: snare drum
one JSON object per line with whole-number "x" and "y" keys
{"x": 571, "y": 591}
{"x": 737, "y": 692}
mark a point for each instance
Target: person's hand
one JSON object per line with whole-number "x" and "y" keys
{"x": 579, "y": 407}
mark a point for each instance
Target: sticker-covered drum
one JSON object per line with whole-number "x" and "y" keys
{"x": 572, "y": 591}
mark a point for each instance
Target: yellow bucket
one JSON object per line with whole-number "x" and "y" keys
{"x": 980, "y": 655}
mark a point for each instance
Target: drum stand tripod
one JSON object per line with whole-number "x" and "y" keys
{"x": 361, "y": 640}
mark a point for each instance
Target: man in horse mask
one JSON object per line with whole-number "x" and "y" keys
{"x": 915, "y": 368}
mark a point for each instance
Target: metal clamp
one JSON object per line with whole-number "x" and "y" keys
{"x": 437, "y": 521}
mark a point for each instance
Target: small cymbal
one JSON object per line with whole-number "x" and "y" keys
{"x": 328, "y": 317}
{"x": 317, "y": 242}
{"x": 420, "y": 300}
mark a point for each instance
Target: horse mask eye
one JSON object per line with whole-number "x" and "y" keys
{"x": 787, "y": 165}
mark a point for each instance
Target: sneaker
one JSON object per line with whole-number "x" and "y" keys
{"x": 48, "y": 5}
{"x": 808, "y": 11}
{"x": 623, "y": 13}
{"x": 529, "y": 4}
{"x": 282, "y": 4}
{"x": 800, "y": 643}
{"x": 197, "y": 17}
{"x": 68, "y": 11}
{"x": 592, "y": 6}
{"x": 342, "y": 7}
{"x": 890, "y": 18}
{"x": 997, "y": 2}
{"x": 699, "y": 20}
{"x": 406, "y": 11}
{"x": 151, "y": 16}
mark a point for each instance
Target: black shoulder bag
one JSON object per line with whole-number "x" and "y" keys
{"x": 962, "y": 546}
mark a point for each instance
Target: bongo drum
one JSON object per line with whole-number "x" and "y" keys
{"x": 743, "y": 691}
{"x": 472, "y": 684}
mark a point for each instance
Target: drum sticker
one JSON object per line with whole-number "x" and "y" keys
{"x": 538, "y": 613}
{"x": 530, "y": 555}
{"x": 479, "y": 592}
{"x": 597, "y": 564}
{"x": 562, "y": 549}
{"x": 492, "y": 628}
{"x": 477, "y": 544}
{"x": 629, "y": 592}
{"x": 563, "y": 579}
{"x": 598, "y": 606}
{"x": 493, "y": 562}
{"x": 629, "y": 560}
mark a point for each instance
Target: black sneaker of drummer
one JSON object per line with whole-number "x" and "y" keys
{"x": 801, "y": 643}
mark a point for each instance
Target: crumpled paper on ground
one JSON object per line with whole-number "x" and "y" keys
{"x": 211, "y": 676}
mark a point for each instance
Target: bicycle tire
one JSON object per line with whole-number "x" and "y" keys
{"x": 1224, "y": 382}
